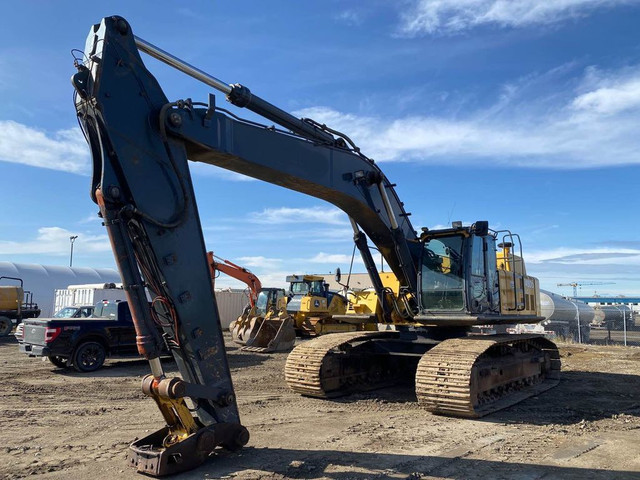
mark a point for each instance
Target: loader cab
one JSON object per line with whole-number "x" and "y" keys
{"x": 309, "y": 295}
{"x": 458, "y": 271}
{"x": 307, "y": 285}
{"x": 269, "y": 299}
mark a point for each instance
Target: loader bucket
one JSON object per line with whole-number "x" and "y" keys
{"x": 272, "y": 335}
{"x": 244, "y": 328}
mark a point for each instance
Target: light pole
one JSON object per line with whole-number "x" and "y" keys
{"x": 72, "y": 239}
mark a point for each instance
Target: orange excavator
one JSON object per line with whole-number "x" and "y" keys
{"x": 217, "y": 264}
{"x": 264, "y": 325}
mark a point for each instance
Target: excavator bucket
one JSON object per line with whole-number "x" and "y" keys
{"x": 241, "y": 328}
{"x": 264, "y": 335}
{"x": 273, "y": 335}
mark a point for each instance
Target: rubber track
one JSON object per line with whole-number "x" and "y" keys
{"x": 304, "y": 363}
{"x": 445, "y": 374}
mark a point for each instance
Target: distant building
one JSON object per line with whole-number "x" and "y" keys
{"x": 43, "y": 280}
{"x": 632, "y": 302}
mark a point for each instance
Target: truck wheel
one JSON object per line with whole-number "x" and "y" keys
{"x": 89, "y": 356}
{"x": 6, "y": 325}
{"x": 60, "y": 362}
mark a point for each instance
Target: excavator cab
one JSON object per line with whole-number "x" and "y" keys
{"x": 463, "y": 277}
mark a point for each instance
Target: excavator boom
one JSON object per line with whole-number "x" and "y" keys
{"x": 235, "y": 271}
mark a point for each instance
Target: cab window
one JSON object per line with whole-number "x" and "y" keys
{"x": 443, "y": 274}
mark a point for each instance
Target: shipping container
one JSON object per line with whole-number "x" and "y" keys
{"x": 88, "y": 294}
{"x": 231, "y": 303}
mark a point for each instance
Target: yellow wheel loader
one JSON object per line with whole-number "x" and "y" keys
{"x": 313, "y": 307}
{"x": 265, "y": 327}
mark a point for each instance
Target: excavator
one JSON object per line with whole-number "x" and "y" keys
{"x": 217, "y": 264}
{"x": 264, "y": 326}
{"x": 448, "y": 280}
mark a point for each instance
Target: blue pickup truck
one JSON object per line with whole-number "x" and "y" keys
{"x": 82, "y": 343}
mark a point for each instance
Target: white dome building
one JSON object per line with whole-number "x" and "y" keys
{"x": 42, "y": 280}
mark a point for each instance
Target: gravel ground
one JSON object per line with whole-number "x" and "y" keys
{"x": 58, "y": 424}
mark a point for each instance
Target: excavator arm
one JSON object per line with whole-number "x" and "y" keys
{"x": 142, "y": 185}
{"x": 140, "y": 143}
{"x": 237, "y": 272}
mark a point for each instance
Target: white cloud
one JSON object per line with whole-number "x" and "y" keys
{"x": 334, "y": 258}
{"x": 91, "y": 218}
{"x": 283, "y": 215}
{"x": 259, "y": 262}
{"x": 350, "y": 17}
{"x": 275, "y": 279}
{"x": 454, "y": 16}
{"x": 611, "y": 95}
{"x": 593, "y": 126}
{"x": 55, "y": 241}
{"x": 64, "y": 150}
{"x": 585, "y": 256}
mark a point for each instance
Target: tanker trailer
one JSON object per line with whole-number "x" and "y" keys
{"x": 563, "y": 316}
{"x": 612, "y": 316}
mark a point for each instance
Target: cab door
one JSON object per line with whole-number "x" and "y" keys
{"x": 491, "y": 267}
{"x": 478, "y": 285}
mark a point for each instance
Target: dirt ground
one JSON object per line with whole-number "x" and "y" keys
{"x": 59, "y": 424}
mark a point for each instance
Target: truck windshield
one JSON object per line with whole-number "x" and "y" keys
{"x": 442, "y": 274}
{"x": 105, "y": 310}
{"x": 66, "y": 312}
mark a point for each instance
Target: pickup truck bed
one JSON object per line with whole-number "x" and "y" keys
{"x": 83, "y": 343}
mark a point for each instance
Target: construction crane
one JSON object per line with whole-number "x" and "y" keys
{"x": 575, "y": 285}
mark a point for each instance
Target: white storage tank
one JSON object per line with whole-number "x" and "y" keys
{"x": 43, "y": 280}
{"x": 612, "y": 316}
{"x": 563, "y": 314}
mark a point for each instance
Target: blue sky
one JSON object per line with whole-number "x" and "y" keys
{"x": 523, "y": 113}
